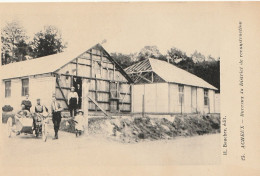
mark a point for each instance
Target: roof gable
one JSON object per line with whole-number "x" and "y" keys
{"x": 46, "y": 64}
{"x": 49, "y": 64}
{"x": 170, "y": 73}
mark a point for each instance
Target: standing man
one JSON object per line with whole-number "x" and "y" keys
{"x": 27, "y": 103}
{"x": 56, "y": 115}
{"x": 73, "y": 100}
{"x": 39, "y": 108}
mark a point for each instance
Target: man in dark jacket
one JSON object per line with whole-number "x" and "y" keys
{"x": 56, "y": 115}
{"x": 27, "y": 103}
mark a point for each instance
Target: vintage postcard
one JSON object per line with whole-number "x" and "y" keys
{"x": 130, "y": 88}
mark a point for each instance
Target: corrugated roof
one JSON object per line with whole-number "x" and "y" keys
{"x": 173, "y": 74}
{"x": 40, "y": 65}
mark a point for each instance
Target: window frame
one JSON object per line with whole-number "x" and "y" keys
{"x": 8, "y": 90}
{"x": 24, "y": 93}
{"x": 206, "y": 97}
{"x": 115, "y": 91}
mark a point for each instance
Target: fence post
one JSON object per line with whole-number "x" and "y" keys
{"x": 143, "y": 108}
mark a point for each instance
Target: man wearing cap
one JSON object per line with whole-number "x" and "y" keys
{"x": 56, "y": 109}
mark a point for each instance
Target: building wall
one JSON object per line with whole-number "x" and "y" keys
{"x": 187, "y": 99}
{"x": 137, "y": 97}
{"x": 194, "y": 108}
{"x": 42, "y": 88}
{"x": 211, "y": 101}
{"x": 174, "y": 99}
{"x": 175, "y": 105}
{"x": 155, "y": 98}
{"x": 164, "y": 98}
{"x": 39, "y": 87}
{"x": 206, "y": 108}
{"x": 200, "y": 100}
{"x": 217, "y": 102}
{"x": 107, "y": 85}
{"x": 151, "y": 101}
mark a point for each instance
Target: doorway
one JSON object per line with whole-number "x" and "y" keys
{"x": 77, "y": 83}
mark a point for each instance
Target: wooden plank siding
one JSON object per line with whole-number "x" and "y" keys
{"x": 96, "y": 67}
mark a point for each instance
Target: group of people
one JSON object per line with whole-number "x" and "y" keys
{"x": 56, "y": 109}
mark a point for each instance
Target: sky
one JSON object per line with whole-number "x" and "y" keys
{"x": 127, "y": 27}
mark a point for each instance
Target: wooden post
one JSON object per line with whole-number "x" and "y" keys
{"x": 77, "y": 66}
{"x": 96, "y": 93}
{"x": 91, "y": 61}
{"x": 114, "y": 71}
{"x": 208, "y": 105}
{"x": 131, "y": 98}
{"x": 196, "y": 100}
{"x": 143, "y": 109}
{"x": 181, "y": 104}
{"x": 110, "y": 109}
{"x": 72, "y": 79}
{"x": 101, "y": 64}
{"x": 85, "y": 88}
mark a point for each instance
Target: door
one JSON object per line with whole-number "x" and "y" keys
{"x": 77, "y": 83}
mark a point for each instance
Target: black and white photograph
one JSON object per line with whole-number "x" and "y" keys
{"x": 112, "y": 84}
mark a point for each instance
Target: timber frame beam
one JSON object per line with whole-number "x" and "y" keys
{"x": 57, "y": 81}
{"x": 93, "y": 78}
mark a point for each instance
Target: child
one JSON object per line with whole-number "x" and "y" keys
{"x": 79, "y": 123}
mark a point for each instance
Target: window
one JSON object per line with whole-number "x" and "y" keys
{"x": 25, "y": 87}
{"x": 206, "y": 97}
{"x": 114, "y": 90}
{"x": 7, "y": 88}
{"x": 181, "y": 94}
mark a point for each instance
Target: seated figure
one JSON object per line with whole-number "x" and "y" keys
{"x": 23, "y": 112}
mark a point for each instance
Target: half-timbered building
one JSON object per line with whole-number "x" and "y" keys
{"x": 100, "y": 82}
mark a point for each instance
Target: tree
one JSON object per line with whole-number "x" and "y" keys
{"x": 176, "y": 54}
{"x": 209, "y": 71}
{"x": 122, "y": 59}
{"x": 13, "y": 38}
{"x": 210, "y": 58}
{"x": 48, "y": 41}
{"x": 149, "y": 52}
{"x": 197, "y": 57}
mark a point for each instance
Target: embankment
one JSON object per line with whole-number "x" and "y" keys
{"x": 135, "y": 129}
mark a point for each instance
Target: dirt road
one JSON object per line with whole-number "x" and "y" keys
{"x": 25, "y": 151}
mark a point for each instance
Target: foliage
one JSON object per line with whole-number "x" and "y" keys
{"x": 209, "y": 71}
{"x": 149, "y": 52}
{"x": 7, "y": 108}
{"x": 123, "y": 60}
{"x": 48, "y": 41}
{"x": 197, "y": 57}
{"x": 14, "y": 47}
{"x": 175, "y": 54}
